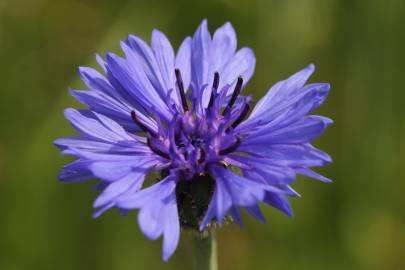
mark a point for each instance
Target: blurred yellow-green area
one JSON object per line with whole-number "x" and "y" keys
{"x": 358, "y": 222}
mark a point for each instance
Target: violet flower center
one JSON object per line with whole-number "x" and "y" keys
{"x": 196, "y": 135}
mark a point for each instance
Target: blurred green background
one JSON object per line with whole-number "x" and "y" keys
{"x": 358, "y": 222}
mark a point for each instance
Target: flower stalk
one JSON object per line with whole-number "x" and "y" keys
{"x": 205, "y": 251}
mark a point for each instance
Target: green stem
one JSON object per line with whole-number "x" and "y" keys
{"x": 205, "y": 251}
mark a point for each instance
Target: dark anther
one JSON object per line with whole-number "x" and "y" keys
{"x": 142, "y": 125}
{"x": 156, "y": 150}
{"x": 202, "y": 155}
{"x": 230, "y": 148}
{"x": 235, "y": 94}
{"x": 215, "y": 85}
{"x": 181, "y": 89}
{"x": 242, "y": 116}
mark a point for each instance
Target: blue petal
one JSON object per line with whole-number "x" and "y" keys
{"x": 119, "y": 187}
{"x": 94, "y": 80}
{"x": 304, "y": 130}
{"x": 222, "y": 48}
{"x": 109, "y": 106}
{"x": 165, "y": 59}
{"x": 279, "y": 202}
{"x": 77, "y": 171}
{"x": 114, "y": 157}
{"x": 283, "y": 91}
{"x": 171, "y": 227}
{"x": 243, "y": 191}
{"x": 241, "y": 64}
{"x": 310, "y": 97}
{"x": 296, "y": 155}
{"x": 221, "y": 202}
{"x": 124, "y": 147}
{"x": 101, "y": 62}
{"x": 150, "y": 219}
{"x": 235, "y": 213}
{"x": 158, "y": 212}
{"x": 312, "y": 174}
{"x": 82, "y": 143}
{"x": 270, "y": 173}
{"x": 102, "y": 209}
{"x": 91, "y": 128}
{"x": 133, "y": 78}
{"x": 231, "y": 189}
{"x": 111, "y": 171}
{"x": 99, "y": 84}
{"x": 200, "y": 56}
{"x": 274, "y": 185}
{"x": 158, "y": 191}
{"x": 256, "y": 213}
{"x": 145, "y": 57}
{"x": 183, "y": 61}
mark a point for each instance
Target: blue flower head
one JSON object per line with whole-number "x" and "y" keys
{"x": 183, "y": 115}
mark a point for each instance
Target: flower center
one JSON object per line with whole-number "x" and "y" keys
{"x": 199, "y": 134}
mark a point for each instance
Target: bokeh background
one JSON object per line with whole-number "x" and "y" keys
{"x": 358, "y": 222}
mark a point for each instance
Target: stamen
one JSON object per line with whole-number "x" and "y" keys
{"x": 235, "y": 94}
{"x": 230, "y": 148}
{"x": 202, "y": 155}
{"x": 215, "y": 85}
{"x": 142, "y": 125}
{"x": 156, "y": 150}
{"x": 181, "y": 89}
{"x": 242, "y": 115}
